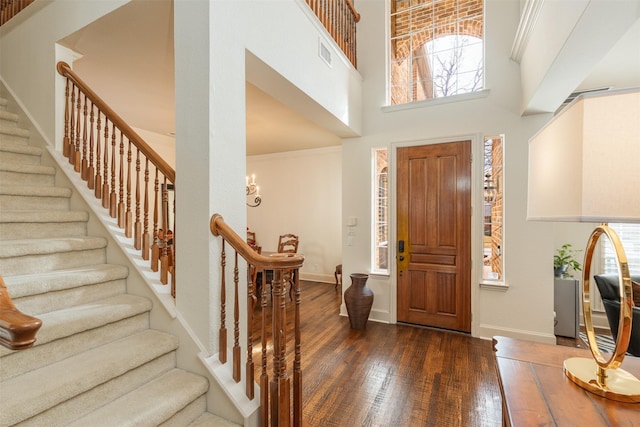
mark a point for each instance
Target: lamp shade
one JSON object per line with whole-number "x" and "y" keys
{"x": 584, "y": 165}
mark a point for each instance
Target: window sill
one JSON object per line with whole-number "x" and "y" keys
{"x": 436, "y": 101}
{"x": 494, "y": 286}
{"x": 379, "y": 274}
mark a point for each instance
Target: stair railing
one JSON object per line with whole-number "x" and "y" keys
{"x": 17, "y": 330}
{"x": 117, "y": 165}
{"x": 339, "y": 17}
{"x": 10, "y": 8}
{"x": 275, "y": 393}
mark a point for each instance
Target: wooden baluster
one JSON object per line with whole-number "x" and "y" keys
{"x": 137, "y": 228}
{"x": 91, "y": 179}
{"x": 65, "y": 140}
{"x": 84, "y": 163}
{"x": 280, "y": 384}
{"x": 297, "y": 363}
{"x": 72, "y": 129}
{"x": 146, "y": 238}
{"x": 128, "y": 226}
{"x": 172, "y": 248}
{"x": 264, "y": 376}
{"x": 155, "y": 248}
{"x": 164, "y": 242}
{"x": 105, "y": 166}
{"x": 236, "y": 323}
{"x": 113, "y": 197}
{"x": 76, "y": 150}
{"x": 222, "y": 333}
{"x": 251, "y": 304}
{"x": 120, "y": 209}
{"x": 98, "y": 178}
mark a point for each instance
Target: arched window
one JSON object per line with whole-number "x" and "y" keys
{"x": 436, "y": 49}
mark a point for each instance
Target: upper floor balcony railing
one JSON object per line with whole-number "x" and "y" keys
{"x": 10, "y": 8}
{"x": 339, "y": 17}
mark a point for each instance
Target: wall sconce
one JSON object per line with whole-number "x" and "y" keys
{"x": 253, "y": 190}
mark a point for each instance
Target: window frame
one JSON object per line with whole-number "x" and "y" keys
{"x": 498, "y": 202}
{"x": 460, "y": 30}
{"x": 376, "y": 176}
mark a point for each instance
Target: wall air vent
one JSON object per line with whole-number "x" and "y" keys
{"x": 576, "y": 94}
{"x": 324, "y": 52}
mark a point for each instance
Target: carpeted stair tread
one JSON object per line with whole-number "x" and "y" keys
{"x": 23, "y": 247}
{"x": 74, "y": 320}
{"x": 22, "y": 197}
{"x": 34, "y": 190}
{"x": 6, "y": 115}
{"x": 26, "y": 169}
{"x": 9, "y": 129}
{"x": 68, "y": 378}
{"x": 151, "y": 404}
{"x": 53, "y": 281}
{"x": 18, "y": 148}
{"x": 209, "y": 420}
{"x": 42, "y": 216}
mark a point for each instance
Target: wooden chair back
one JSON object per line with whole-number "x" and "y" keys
{"x": 288, "y": 243}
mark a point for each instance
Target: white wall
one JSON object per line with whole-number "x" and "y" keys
{"x": 301, "y": 194}
{"x": 27, "y": 62}
{"x": 526, "y": 308}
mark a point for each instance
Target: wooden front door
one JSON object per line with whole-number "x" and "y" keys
{"x": 434, "y": 235}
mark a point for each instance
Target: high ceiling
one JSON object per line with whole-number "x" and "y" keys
{"x": 146, "y": 68}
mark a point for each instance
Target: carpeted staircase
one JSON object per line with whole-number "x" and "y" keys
{"x": 96, "y": 362}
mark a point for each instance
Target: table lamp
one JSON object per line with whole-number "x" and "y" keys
{"x": 584, "y": 166}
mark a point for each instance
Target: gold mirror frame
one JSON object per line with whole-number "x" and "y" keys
{"x": 599, "y": 375}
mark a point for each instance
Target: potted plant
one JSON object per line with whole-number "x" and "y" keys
{"x": 563, "y": 260}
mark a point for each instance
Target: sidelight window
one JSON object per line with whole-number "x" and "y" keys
{"x": 493, "y": 211}
{"x": 380, "y": 220}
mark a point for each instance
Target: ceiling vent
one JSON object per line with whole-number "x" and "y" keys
{"x": 576, "y": 94}
{"x": 324, "y": 52}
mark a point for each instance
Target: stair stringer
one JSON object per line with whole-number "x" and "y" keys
{"x": 222, "y": 397}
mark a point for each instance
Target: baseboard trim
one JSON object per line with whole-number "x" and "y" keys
{"x": 489, "y": 331}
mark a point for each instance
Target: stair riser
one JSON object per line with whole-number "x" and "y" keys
{"x": 17, "y": 363}
{"x": 27, "y": 159}
{"x": 67, "y": 411}
{"x": 24, "y": 230}
{"x": 51, "y": 301}
{"x": 30, "y": 264}
{"x": 187, "y": 415}
{"x": 24, "y": 140}
{"x": 26, "y": 203}
{"x": 8, "y": 122}
{"x": 10, "y": 128}
{"x": 17, "y": 178}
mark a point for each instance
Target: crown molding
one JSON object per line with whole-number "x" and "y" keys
{"x": 528, "y": 19}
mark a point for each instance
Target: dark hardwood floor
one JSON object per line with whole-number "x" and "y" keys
{"x": 388, "y": 375}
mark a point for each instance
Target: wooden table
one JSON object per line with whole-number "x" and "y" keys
{"x": 535, "y": 391}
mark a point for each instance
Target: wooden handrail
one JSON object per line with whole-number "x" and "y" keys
{"x": 282, "y": 262}
{"x": 17, "y": 330}
{"x": 352, "y": 8}
{"x": 65, "y": 70}
{"x": 120, "y": 167}
{"x": 276, "y": 398}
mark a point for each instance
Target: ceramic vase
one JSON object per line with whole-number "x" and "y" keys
{"x": 358, "y": 298}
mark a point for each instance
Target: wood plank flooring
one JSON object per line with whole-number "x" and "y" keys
{"x": 387, "y": 375}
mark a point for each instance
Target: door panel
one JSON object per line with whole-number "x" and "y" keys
{"x": 434, "y": 221}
